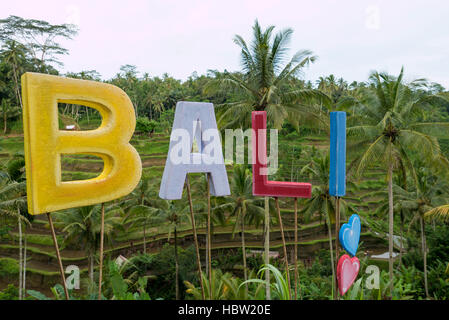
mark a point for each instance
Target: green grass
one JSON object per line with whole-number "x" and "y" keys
{"x": 51, "y": 273}
{"x": 42, "y": 252}
{"x": 382, "y": 264}
{"x": 78, "y": 175}
{"x": 151, "y": 147}
{"x": 41, "y": 239}
{"x": 11, "y": 145}
{"x": 372, "y": 185}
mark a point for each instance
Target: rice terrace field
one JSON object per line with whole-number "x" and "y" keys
{"x": 215, "y": 247}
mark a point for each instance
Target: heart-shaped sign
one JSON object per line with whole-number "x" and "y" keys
{"x": 347, "y": 271}
{"x": 350, "y": 234}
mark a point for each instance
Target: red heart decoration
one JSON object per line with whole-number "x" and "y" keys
{"x": 347, "y": 271}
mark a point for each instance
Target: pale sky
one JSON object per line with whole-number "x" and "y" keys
{"x": 350, "y": 37}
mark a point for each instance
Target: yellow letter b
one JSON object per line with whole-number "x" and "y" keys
{"x": 44, "y": 143}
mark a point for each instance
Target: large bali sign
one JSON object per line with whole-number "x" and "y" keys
{"x": 45, "y": 143}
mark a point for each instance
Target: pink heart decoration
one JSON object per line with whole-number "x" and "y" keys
{"x": 347, "y": 271}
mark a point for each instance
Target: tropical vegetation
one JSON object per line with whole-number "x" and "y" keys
{"x": 397, "y": 165}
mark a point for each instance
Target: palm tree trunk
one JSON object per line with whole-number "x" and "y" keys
{"x": 284, "y": 246}
{"x": 19, "y": 97}
{"x": 144, "y": 238}
{"x": 267, "y": 248}
{"x": 424, "y": 252}
{"x": 390, "y": 225}
{"x": 400, "y": 243}
{"x": 176, "y": 265}
{"x": 245, "y": 275}
{"x": 20, "y": 255}
{"x": 91, "y": 267}
{"x": 24, "y": 262}
{"x": 291, "y": 171}
{"x": 209, "y": 231}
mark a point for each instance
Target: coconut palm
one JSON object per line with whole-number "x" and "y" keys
{"x": 243, "y": 206}
{"x": 14, "y": 54}
{"x": 265, "y": 83}
{"x": 82, "y": 226}
{"x": 390, "y": 130}
{"x": 430, "y": 192}
{"x": 144, "y": 216}
{"x": 139, "y": 213}
{"x": 440, "y": 213}
{"x": 173, "y": 212}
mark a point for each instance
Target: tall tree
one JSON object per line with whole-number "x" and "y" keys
{"x": 243, "y": 206}
{"x": 264, "y": 83}
{"x": 39, "y": 37}
{"x": 82, "y": 227}
{"x": 173, "y": 212}
{"x": 390, "y": 129}
{"x": 14, "y": 54}
{"x": 13, "y": 204}
{"x": 430, "y": 192}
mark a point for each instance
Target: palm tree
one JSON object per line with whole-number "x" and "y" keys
{"x": 265, "y": 83}
{"x": 173, "y": 212}
{"x": 8, "y": 111}
{"x": 13, "y": 204}
{"x": 429, "y": 192}
{"x": 14, "y": 53}
{"x": 141, "y": 215}
{"x": 82, "y": 226}
{"x": 440, "y": 213}
{"x": 200, "y": 205}
{"x": 321, "y": 202}
{"x": 137, "y": 206}
{"x": 243, "y": 206}
{"x": 391, "y": 129}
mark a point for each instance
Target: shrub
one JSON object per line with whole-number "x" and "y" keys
{"x": 438, "y": 280}
{"x": 8, "y": 268}
{"x": 10, "y": 293}
{"x": 145, "y": 125}
{"x": 162, "y": 265}
{"x": 438, "y": 244}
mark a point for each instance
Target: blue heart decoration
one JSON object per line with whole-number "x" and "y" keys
{"x": 350, "y": 234}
